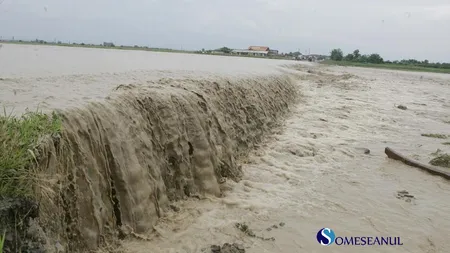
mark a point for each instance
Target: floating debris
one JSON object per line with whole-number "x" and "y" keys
{"x": 441, "y": 160}
{"x": 228, "y": 248}
{"x": 246, "y": 229}
{"x": 405, "y": 195}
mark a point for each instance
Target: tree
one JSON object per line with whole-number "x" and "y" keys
{"x": 363, "y": 58}
{"x": 225, "y": 50}
{"x": 349, "y": 57}
{"x": 375, "y": 58}
{"x": 356, "y": 54}
{"x": 337, "y": 55}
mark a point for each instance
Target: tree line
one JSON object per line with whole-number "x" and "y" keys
{"x": 356, "y": 56}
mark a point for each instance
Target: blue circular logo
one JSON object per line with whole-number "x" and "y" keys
{"x": 326, "y": 236}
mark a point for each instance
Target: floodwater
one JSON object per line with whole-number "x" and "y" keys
{"x": 48, "y": 77}
{"x": 311, "y": 173}
{"x": 314, "y": 173}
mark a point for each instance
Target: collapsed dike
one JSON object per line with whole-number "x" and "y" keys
{"x": 119, "y": 163}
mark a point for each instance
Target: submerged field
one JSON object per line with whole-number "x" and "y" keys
{"x": 174, "y": 153}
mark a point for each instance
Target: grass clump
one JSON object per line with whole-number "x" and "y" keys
{"x": 438, "y": 136}
{"x": 442, "y": 161}
{"x": 446, "y": 143}
{"x": 2, "y": 242}
{"x": 19, "y": 139}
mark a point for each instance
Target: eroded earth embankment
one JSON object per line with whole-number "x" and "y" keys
{"x": 119, "y": 163}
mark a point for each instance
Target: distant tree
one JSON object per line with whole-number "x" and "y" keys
{"x": 296, "y": 54}
{"x": 375, "y": 58}
{"x": 363, "y": 58}
{"x": 356, "y": 54}
{"x": 337, "y": 54}
{"x": 349, "y": 57}
{"x": 225, "y": 50}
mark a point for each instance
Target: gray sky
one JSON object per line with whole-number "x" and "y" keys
{"x": 395, "y": 29}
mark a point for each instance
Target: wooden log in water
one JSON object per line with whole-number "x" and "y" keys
{"x": 435, "y": 170}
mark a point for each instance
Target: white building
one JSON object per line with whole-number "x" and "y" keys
{"x": 249, "y": 52}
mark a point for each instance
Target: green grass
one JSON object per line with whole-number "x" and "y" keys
{"x": 2, "y": 241}
{"x": 19, "y": 138}
{"x": 446, "y": 143}
{"x": 387, "y": 66}
{"x": 438, "y": 136}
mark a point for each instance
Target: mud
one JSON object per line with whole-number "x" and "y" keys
{"x": 18, "y": 221}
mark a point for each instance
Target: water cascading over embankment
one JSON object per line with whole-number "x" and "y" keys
{"x": 120, "y": 162}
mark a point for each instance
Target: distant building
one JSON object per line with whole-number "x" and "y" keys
{"x": 249, "y": 52}
{"x": 273, "y": 52}
{"x": 313, "y": 57}
{"x": 258, "y": 48}
{"x": 108, "y": 44}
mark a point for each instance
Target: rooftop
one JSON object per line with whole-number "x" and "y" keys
{"x": 258, "y": 48}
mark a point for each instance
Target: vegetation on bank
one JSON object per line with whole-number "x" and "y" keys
{"x": 19, "y": 138}
{"x": 376, "y": 61}
{"x": 441, "y": 160}
{"x": 438, "y": 136}
{"x": 2, "y": 241}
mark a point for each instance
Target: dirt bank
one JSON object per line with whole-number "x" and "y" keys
{"x": 119, "y": 163}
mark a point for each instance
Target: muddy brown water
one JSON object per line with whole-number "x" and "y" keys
{"x": 313, "y": 173}
{"x": 49, "y": 77}
{"x": 310, "y": 173}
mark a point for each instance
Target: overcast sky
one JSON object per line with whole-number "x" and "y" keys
{"x": 395, "y": 29}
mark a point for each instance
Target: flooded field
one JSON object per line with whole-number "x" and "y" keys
{"x": 52, "y": 77}
{"x": 324, "y": 167}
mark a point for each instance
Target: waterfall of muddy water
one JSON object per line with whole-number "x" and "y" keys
{"x": 126, "y": 158}
{"x": 314, "y": 173}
